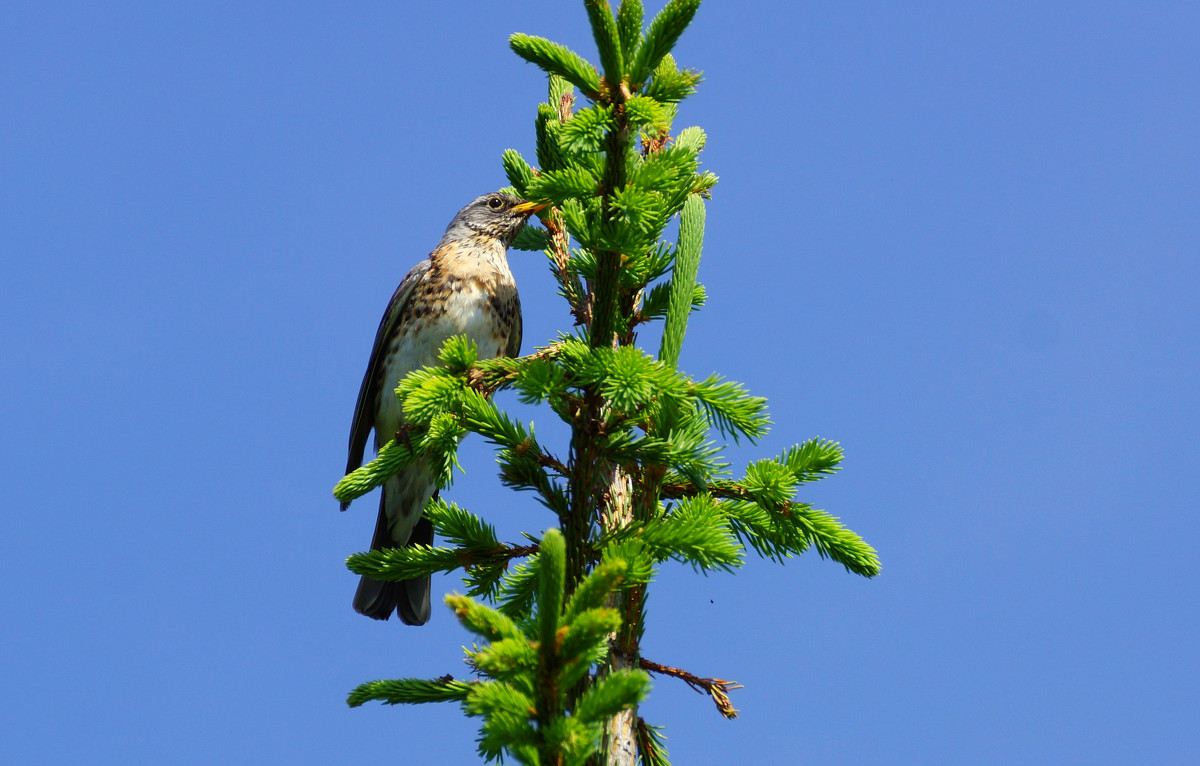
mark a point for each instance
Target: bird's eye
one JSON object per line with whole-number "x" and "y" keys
{"x": 495, "y": 203}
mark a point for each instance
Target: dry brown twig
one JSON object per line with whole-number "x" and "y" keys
{"x": 716, "y": 688}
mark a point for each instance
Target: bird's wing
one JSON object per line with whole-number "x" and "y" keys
{"x": 364, "y": 409}
{"x": 514, "y": 339}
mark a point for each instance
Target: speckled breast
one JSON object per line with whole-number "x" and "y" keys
{"x": 486, "y": 310}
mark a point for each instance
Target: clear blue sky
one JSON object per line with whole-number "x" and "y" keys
{"x": 959, "y": 238}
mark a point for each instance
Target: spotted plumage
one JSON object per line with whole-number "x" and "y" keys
{"x": 464, "y": 287}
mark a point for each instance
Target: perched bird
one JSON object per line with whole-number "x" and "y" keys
{"x": 464, "y": 287}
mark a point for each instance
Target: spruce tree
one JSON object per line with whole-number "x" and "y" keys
{"x": 558, "y": 676}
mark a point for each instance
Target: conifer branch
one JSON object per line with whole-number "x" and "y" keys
{"x": 400, "y": 564}
{"x": 557, "y": 59}
{"x": 787, "y": 528}
{"x": 683, "y": 281}
{"x": 604, "y": 31}
{"x": 644, "y": 480}
{"x": 492, "y": 375}
{"x": 661, "y": 37}
{"x": 629, "y": 26}
{"x": 650, "y": 745}
{"x": 410, "y": 691}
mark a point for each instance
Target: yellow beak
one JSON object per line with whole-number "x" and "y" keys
{"x": 530, "y": 207}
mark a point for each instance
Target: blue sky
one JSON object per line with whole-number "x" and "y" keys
{"x": 960, "y": 239}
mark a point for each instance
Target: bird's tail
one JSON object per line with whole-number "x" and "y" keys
{"x": 410, "y": 598}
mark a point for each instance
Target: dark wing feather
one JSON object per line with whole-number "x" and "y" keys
{"x": 368, "y": 392}
{"x": 514, "y": 338}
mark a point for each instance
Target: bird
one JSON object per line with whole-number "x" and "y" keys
{"x": 464, "y": 287}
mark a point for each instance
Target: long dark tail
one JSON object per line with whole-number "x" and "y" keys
{"x": 409, "y": 599}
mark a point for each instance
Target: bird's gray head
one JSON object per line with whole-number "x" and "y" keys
{"x": 497, "y": 216}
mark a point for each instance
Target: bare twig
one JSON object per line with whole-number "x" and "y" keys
{"x": 572, "y": 288}
{"x": 544, "y": 459}
{"x": 565, "y": 102}
{"x": 716, "y": 688}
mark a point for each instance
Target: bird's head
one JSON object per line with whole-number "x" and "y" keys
{"x": 498, "y": 215}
